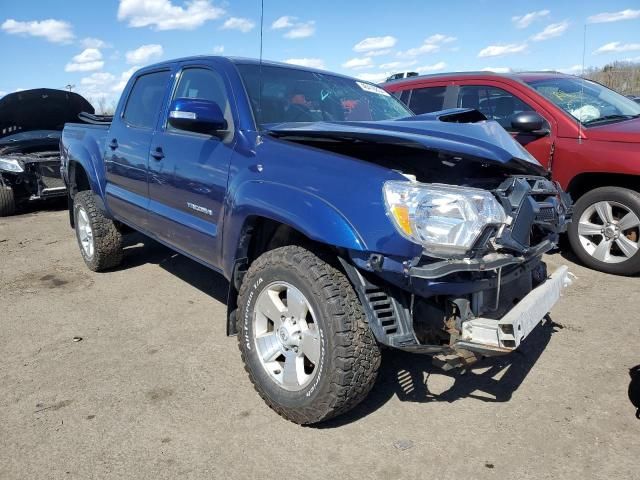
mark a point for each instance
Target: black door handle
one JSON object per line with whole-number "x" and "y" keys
{"x": 113, "y": 144}
{"x": 157, "y": 153}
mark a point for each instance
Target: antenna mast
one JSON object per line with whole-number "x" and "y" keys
{"x": 260, "y": 67}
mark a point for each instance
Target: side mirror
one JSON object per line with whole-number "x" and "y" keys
{"x": 196, "y": 115}
{"x": 529, "y": 122}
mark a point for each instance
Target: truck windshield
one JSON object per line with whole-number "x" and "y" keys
{"x": 589, "y": 102}
{"x": 294, "y": 95}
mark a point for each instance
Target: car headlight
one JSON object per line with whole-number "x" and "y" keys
{"x": 445, "y": 219}
{"x": 11, "y": 165}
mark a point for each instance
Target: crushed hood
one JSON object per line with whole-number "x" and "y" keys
{"x": 457, "y": 132}
{"x": 40, "y": 109}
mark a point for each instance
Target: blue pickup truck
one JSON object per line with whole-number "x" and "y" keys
{"x": 342, "y": 221}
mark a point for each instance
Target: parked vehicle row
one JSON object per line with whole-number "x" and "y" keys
{"x": 342, "y": 221}
{"x": 586, "y": 135}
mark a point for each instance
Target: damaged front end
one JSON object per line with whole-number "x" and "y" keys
{"x": 483, "y": 302}
{"x": 484, "y": 213}
{"x": 31, "y": 123}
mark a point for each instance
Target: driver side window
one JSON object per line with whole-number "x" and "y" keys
{"x": 495, "y": 103}
{"x": 204, "y": 84}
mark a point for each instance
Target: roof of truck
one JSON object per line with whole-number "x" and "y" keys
{"x": 248, "y": 61}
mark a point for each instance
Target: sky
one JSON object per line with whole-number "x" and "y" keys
{"x": 95, "y": 46}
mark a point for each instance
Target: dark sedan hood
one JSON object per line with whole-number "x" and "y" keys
{"x": 446, "y": 131}
{"x": 40, "y": 109}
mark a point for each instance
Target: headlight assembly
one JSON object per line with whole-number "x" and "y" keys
{"x": 445, "y": 219}
{"x": 12, "y": 165}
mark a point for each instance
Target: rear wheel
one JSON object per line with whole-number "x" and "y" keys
{"x": 7, "y": 201}
{"x": 99, "y": 240}
{"x": 605, "y": 231}
{"x": 303, "y": 336}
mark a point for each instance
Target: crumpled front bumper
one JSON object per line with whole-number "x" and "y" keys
{"x": 488, "y": 336}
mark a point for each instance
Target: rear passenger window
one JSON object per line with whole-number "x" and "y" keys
{"x": 495, "y": 103}
{"x": 426, "y": 100}
{"x": 145, "y": 99}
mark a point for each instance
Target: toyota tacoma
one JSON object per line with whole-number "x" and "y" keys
{"x": 343, "y": 222}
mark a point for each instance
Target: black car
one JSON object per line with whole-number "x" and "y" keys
{"x": 30, "y": 125}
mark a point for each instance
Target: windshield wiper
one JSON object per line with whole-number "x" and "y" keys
{"x": 610, "y": 117}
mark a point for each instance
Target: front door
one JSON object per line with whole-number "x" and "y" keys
{"x": 127, "y": 148}
{"x": 188, "y": 172}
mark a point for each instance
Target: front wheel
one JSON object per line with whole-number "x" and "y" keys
{"x": 605, "y": 231}
{"x": 7, "y": 201}
{"x": 303, "y": 336}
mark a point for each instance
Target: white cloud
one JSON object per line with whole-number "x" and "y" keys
{"x": 431, "y": 68}
{"x": 377, "y": 53}
{"x": 144, "y": 53}
{"x": 236, "y": 23}
{"x": 98, "y": 79}
{"x": 283, "y": 22}
{"x": 615, "y": 47}
{"x": 375, "y": 43}
{"x": 499, "y": 50}
{"x": 307, "y": 62}
{"x": 364, "y": 62}
{"x": 218, "y": 49}
{"x": 430, "y": 45}
{"x": 496, "y": 69}
{"x": 55, "y": 31}
{"x": 86, "y": 61}
{"x": 574, "y": 69}
{"x": 523, "y": 21}
{"x": 551, "y": 31}
{"x": 607, "y": 17}
{"x": 295, "y": 29}
{"x": 302, "y": 30}
{"x": 397, "y": 65}
{"x": 2, "y": 93}
{"x": 91, "y": 42}
{"x": 164, "y": 15}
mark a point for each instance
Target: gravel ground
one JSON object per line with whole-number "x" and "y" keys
{"x": 156, "y": 390}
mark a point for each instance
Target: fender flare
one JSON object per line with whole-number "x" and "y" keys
{"x": 300, "y": 209}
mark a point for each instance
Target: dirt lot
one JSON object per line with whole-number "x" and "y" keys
{"x": 156, "y": 390}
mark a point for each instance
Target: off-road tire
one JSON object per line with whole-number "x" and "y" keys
{"x": 624, "y": 196}
{"x": 7, "y": 201}
{"x": 108, "y": 250}
{"x": 350, "y": 356}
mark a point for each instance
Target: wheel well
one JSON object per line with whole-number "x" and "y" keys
{"x": 260, "y": 235}
{"x": 78, "y": 182}
{"x": 585, "y": 182}
{"x": 78, "y": 179}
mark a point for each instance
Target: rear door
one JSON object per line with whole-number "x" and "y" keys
{"x": 499, "y": 101}
{"x": 127, "y": 148}
{"x": 188, "y": 171}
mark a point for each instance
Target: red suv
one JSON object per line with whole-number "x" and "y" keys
{"x": 585, "y": 134}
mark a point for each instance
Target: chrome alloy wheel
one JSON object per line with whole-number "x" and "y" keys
{"x": 286, "y": 336}
{"x": 609, "y": 232}
{"x": 85, "y": 233}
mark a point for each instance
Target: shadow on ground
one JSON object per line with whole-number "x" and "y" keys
{"x": 140, "y": 250}
{"x": 404, "y": 375}
{"x": 407, "y": 376}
